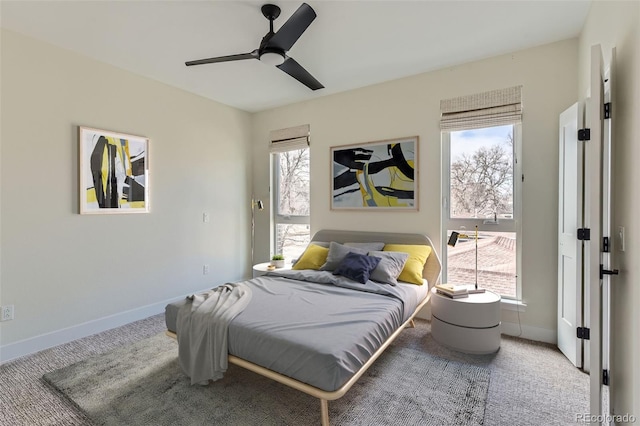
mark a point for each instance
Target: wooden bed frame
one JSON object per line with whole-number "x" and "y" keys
{"x": 431, "y": 273}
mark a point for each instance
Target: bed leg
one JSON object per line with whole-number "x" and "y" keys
{"x": 324, "y": 412}
{"x": 412, "y": 324}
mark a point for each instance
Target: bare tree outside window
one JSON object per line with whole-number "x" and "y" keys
{"x": 293, "y": 191}
{"x": 293, "y": 200}
{"x": 482, "y": 181}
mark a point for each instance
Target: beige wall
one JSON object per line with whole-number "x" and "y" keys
{"x": 68, "y": 274}
{"x": 410, "y": 106}
{"x": 616, "y": 24}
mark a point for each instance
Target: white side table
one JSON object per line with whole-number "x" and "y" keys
{"x": 468, "y": 324}
{"x": 261, "y": 268}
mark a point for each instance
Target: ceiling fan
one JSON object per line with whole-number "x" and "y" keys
{"x": 274, "y": 46}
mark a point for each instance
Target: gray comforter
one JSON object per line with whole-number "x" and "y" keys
{"x": 314, "y": 326}
{"x": 202, "y": 328}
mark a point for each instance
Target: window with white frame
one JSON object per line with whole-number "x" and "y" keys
{"x": 291, "y": 191}
{"x": 481, "y": 145}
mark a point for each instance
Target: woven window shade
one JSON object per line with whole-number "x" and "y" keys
{"x": 289, "y": 139}
{"x": 494, "y": 108}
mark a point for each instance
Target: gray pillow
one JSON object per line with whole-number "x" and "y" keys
{"x": 366, "y": 246}
{"x": 337, "y": 253}
{"x": 390, "y": 266}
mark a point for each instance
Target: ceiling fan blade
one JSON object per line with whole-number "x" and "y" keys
{"x": 291, "y": 30}
{"x": 296, "y": 71}
{"x": 250, "y": 55}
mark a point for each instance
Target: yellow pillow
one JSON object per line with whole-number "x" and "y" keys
{"x": 312, "y": 258}
{"x": 418, "y": 254}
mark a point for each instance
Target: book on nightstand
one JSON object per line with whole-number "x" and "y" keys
{"x": 452, "y": 290}
{"x": 452, "y": 295}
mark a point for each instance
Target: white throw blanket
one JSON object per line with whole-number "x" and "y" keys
{"x": 202, "y": 328}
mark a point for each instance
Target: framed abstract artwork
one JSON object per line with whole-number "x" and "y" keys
{"x": 375, "y": 176}
{"x": 114, "y": 172}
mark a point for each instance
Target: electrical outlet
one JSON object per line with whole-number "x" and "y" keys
{"x": 7, "y": 313}
{"x": 205, "y": 217}
{"x": 205, "y": 269}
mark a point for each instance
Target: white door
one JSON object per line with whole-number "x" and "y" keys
{"x": 607, "y": 232}
{"x": 594, "y": 207}
{"x": 596, "y": 216}
{"x": 570, "y": 212}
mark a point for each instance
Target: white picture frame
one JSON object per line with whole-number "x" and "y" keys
{"x": 114, "y": 172}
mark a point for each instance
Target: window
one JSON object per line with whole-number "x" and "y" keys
{"x": 292, "y": 197}
{"x": 291, "y": 193}
{"x": 481, "y": 193}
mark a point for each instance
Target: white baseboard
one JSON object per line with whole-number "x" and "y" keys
{"x": 529, "y": 332}
{"x": 65, "y": 335}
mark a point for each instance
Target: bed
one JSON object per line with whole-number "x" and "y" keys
{"x": 318, "y": 332}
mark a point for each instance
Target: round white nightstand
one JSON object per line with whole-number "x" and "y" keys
{"x": 468, "y": 324}
{"x": 261, "y": 268}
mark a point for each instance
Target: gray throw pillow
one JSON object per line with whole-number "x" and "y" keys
{"x": 390, "y": 266}
{"x": 337, "y": 253}
{"x": 367, "y": 246}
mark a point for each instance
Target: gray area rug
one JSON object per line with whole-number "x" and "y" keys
{"x": 142, "y": 384}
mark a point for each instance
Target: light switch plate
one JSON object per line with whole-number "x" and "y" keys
{"x": 621, "y": 243}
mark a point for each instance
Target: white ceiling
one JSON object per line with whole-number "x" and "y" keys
{"x": 351, "y": 44}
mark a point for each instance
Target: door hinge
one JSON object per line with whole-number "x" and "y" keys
{"x": 607, "y": 110}
{"x": 584, "y": 234}
{"x": 605, "y": 245}
{"x": 584, "y": 333}
{"x": 584, "y": 134}
{"x": 605, "y": 377}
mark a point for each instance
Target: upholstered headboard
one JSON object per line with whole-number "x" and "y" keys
{"x": 432, "y": 267}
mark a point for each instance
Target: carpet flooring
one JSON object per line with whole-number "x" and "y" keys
{"x": 143, "y": 384}
{"x": 531, "y": 383}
